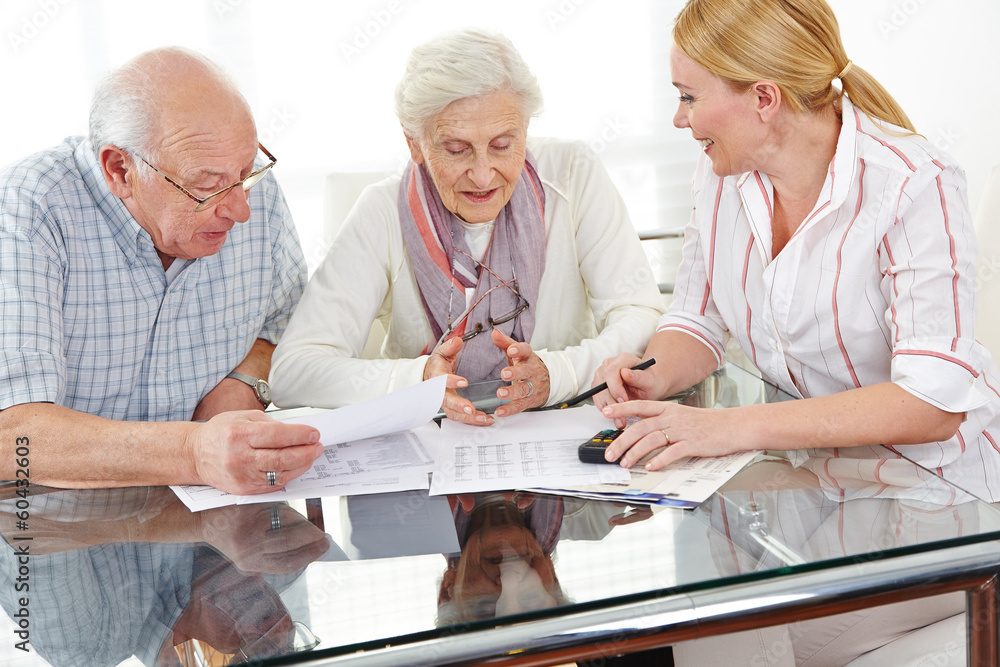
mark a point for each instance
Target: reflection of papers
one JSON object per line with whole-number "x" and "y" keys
{"x": 685, "y": 483}
{"x": 366, "y": 452}
{"x": 398, "y": 524}
{"x": 526, "y": 450}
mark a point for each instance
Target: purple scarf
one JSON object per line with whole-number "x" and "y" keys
{"x": 435, "y": 242}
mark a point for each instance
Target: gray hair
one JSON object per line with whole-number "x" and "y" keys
{"x": 125, "y": 108}
{"x": 457, "y": 65}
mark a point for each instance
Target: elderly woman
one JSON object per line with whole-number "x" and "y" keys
{"x": 834, "y": 244}
{"x": 491, "y": 256}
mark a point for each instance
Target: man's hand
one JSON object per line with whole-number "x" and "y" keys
{"x": 443, "y": 361}
{"x": 234, "y": 451}
{"x": 244, "y": 534}
{"x": 527, "y": 373}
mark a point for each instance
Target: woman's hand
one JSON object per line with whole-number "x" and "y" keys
{"x": 683, "y": 431}
{"x": 444, "y": 361}
{"x": 625, "y": 384}
{"x": 527, "y": 373}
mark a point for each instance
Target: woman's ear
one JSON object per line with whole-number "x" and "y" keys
{"x": 767, "y": 99}
{"x": 416, "y": 154}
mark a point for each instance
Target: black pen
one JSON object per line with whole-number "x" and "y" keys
{"x": 591, "y": 392}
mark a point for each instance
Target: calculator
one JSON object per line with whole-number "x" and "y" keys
{"x": 592, "y": 451}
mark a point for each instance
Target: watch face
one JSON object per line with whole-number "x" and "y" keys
{"x": 263, "y": 391}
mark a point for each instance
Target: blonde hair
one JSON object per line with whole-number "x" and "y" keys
{"x": 794, "y": 43}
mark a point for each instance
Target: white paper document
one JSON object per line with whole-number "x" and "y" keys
{"x": 685, "y": 483}
{"x": 401, "y": 410}
{"x": 368, "y": 450}
{"x": 526, "y": 450}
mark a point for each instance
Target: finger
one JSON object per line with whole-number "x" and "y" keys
{"x": 637, "y": 441}
{"x": 272, "y": 434}
{"x": 456, "y": 381}
{"x": 456, "y": 405}
{"x": 673, "y": 453}
{"x": 502, "y": 341}
{"x": 476, "y": 418}
{"x": 286, "y": 464}
{"x": 641, "y": 409}
{"x": 468, "y": 501}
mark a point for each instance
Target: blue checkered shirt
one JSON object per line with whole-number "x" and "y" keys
{"x": 87, "y": 319}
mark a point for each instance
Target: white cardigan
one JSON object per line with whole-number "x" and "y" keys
{"x": 597, "y": 296}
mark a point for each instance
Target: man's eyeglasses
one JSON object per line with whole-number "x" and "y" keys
{"x": 493, "y": 322}
{"x": 247, "y": 183}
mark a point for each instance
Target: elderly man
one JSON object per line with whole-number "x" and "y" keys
{"x": 134, "y": 307}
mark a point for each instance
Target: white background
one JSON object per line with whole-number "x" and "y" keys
{"x": 320, "y": 77}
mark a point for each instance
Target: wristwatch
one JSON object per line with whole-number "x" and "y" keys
{"x": 260, "y": 387}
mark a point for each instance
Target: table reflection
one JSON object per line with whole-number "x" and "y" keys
{"x": 123, "y": 572}
{"x": 507, "y": 541}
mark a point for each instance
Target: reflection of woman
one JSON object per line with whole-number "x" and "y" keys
{"x": 491, "y": 255}
{"x": 505, "y": 566}
{"x": 830, "y": 508}
{"x": 832, "y": 242}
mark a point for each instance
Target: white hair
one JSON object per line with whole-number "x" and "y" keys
{"x": 457, "y": 65}
{"x": 126, "y": 104}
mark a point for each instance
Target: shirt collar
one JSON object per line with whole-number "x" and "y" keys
{"x": 126, "y": 231}
{"x": 756, "y": 186}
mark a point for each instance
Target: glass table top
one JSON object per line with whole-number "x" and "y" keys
{"x": 130, "y": 576}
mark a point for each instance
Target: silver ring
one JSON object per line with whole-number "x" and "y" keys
{"x": 275, "y": 519}
{"x": 531, "y": 388}
{"x": 272, "y": 478}
{"x": 666, "y": 436}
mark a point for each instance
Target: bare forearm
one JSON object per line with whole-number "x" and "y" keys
{"x": 681, "y": 360}
{"x": 258, "y": 361}
{"x": 70, "y": 449}
{"x": 878, "y": 414}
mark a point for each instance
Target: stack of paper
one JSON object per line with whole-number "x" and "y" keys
{"x": 371, "y": 447}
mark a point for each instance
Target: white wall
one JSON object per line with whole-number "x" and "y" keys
{"x": 320, "y": 76}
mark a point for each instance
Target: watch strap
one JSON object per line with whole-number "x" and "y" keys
{"x": 253, "y": 382}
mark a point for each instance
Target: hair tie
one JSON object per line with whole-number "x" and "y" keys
{"x": 847, "y": 68}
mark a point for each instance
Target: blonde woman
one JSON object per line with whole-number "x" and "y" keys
{"x": 836, "y": 246}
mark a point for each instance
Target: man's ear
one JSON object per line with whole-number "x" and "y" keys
{"x": 118, "y": 169}
{"x": 415, "y": 153}
{"x": 767, "y": 99}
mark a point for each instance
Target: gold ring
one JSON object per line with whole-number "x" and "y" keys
{"x": 666, "y": 436}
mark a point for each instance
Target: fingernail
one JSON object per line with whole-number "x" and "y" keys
{"x": 620, "y": 400}
{"x": 503, "y": 393}
{"x": 512, "y": 350}
{"x": 469, "y": 410}
{"x": 314, "y": 437}
{"x": 500, "y": 412}
{"x": 649, "y": 466}
{"x": 481, "y": 419}
{"x": 462, "y": 383}
{"x": 505, "y": 375}
{"x": 607, "y": 410}
{"x": 626, "y": 464}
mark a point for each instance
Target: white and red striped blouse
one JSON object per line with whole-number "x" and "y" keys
{"x": 878, "y": 284}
